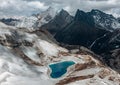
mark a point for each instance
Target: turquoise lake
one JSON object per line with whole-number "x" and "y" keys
{"x": 59, "y": 69}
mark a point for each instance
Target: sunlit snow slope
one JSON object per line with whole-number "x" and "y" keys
{"x": 37, "y": 20}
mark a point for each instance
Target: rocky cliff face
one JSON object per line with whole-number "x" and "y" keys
{"x": 108, "y": 47}
{"x": 58, "y": 22}
{"x": 104, "y": 20}
{"x": 87, "y": 27}
{"x": 81, "y": 31}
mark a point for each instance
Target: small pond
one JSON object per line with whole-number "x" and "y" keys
{"x": 59, "y": 69}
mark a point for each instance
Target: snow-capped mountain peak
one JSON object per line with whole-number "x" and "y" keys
{"x": 44, "y": 17}
{"x": 104, "y": 20}
{"x": 27, "y": 22}
{"x": 36, "y": 20}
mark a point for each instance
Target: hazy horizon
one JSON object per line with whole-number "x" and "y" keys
{"x": 29, "y": 7}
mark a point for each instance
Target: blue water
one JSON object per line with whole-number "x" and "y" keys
{"x": 59, "y": 69}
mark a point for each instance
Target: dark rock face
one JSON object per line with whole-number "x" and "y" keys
{"x": 61, "y": 20}
{"x": 112, "y": 59}
{"x": 118, "y": 19}
{"x": 81, "y": 16}
{"x": 95, "y": 18}
{"x": 81, "y": 31}
{"x": 9, "y": 21}
{"x": 104, "y": 20}
{"x": 108, "y": 46}
{"x": 108, "y": 42}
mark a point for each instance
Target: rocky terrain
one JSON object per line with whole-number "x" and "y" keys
{"x": 26, "y": 56}
{"x": 58, "y": 22}
{"x": 108, "y": 47}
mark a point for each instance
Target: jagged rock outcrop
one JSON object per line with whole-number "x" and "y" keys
{"x": 58, "y": 22}
{"x": 108, "y": 47}
{"x": 87, "y": 27}
{"x": 106, "y": 21}
{"x": 10, "y": 21}
{"x": 81, "y": 31}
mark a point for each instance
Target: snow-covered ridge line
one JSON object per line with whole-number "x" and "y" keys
{"x": 37, "y": 20}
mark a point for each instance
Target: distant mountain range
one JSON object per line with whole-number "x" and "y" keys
{"x": 82, "y": 29}
{"x": 52, "y": 17}
{"x": 9, "y": 21}
{"x": 32, "y": 22}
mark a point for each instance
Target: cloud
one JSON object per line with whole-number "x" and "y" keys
{"x": 27, "y": 7}
{"x": 108, "y": 6}
{"x": 20, "y": 7}
{"x": 37, "y": 4}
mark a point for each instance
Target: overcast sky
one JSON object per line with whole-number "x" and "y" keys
{"x": 28, "y": 7}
